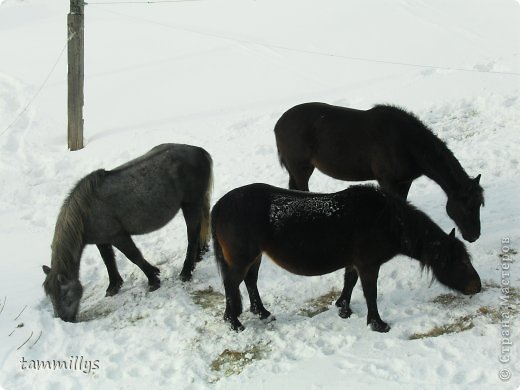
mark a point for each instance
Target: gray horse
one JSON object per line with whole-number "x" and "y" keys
{"x": 106, "y": 208}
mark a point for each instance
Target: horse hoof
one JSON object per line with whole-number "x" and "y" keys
{"x": 381, "y": 327}
{"x": 152, "y": 286}
{"x": 265, "y": 314}
{"x": 345, "y": 313}
{"x": 234, "y": 324}
{"x": 262, "y": 313}
{"x": 238, "y": 328}
{"x": 268, "y": 319}
{"x": 111, "y": 291}
{"x": 113, "y": 288}
{"x": 185, "y": 276}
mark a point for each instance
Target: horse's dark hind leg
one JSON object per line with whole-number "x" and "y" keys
{"x": 232, "y": 279}
{"x": 192, "y": 216}
{"x": 369, "y": 282}
{"x": 400, "y": 189}
{"x": 257, "y": 307}
{"x": 343, "y": 301}
{"x": 403, "y": 188}
{"x": 292, "y": 183}
{"x": 125, "y": 244}
{"x": 115, "y": 280}
{"x": 299, "y": 176}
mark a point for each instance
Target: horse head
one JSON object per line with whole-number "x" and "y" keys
{"x": 65, "y": 294}
{"x": 463, "y": 207}
{"x": 451, "y": 265}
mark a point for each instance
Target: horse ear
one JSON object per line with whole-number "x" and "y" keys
{"x": 452, "y": 233}
{"x": 477, "y": 179}
{"x": 46, "y": 269}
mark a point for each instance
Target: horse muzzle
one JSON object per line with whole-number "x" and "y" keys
{"x": 471, "y": 237}
{"x": 473, "y": 287}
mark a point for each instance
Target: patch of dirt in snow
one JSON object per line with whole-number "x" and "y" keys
{"x": 319, "y": 304}
{"x": 231, "y": 362}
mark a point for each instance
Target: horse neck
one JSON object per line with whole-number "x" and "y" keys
{"x": 418, "y": 232}
{"x": 440, "y": 165}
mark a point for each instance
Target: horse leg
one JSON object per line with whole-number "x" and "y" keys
{"x": 204, "y": 248}
{"x": 232, "y": 279}
{"x": 368, "y": 278}
{"x": 403, "y": 188}
{"x": 257, "y": 307}
{"x": 192, "y": 216}
{"x": 292, "y": 182}
{"x": 343, "y": 301}
{"x": 299, "y": 176}
{"x": 125, "y": 244}
{"x": 115, "y": 280}
{"x": 398, "y": 188}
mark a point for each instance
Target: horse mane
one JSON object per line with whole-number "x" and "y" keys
{"x": 68, "y": 242}
{"x": 434, "y": 156}
{"x": 418, "y": 232}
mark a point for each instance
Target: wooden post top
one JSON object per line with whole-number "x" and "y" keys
{"x": 77, "y": 6}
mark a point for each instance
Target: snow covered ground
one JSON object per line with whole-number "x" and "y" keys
{"x": 218, "y": 74}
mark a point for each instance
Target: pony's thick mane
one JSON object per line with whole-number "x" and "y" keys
{"x": 429, "y": 150}
{"x": 416, "y": 228}
{"x": 68, "y": 242}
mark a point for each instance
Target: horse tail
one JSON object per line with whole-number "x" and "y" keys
{"x": 277, "y": 129}
{"x": 205, "y": 222}
{"x": 217, "y": 248}
{"x": 281, "y": 160}
{"x": 280, "y": 156}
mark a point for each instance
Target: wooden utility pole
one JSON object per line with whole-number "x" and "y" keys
{"x": 75, "y": 24}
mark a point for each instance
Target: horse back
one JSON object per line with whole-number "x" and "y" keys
{"x": 144, "y": 194}
{"x": 322, "y": 233}
{"x": 304, "y": 233}
{"x": 344, "y": 143}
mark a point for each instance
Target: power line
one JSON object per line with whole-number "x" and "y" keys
{"x": 239, "y": 40}
{"x": 37, "y": 92}
{"x": 138, "y": 2}
{"x": 312, "y": 52}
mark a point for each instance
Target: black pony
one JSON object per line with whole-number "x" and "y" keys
{"x": 358, "y": 229}
{"x": 384, "y": 143}
{"x": 107, "y": 207}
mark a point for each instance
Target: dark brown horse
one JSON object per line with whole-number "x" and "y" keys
{"x": 358, "y": 229}
{"x": 384, "y": 143}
